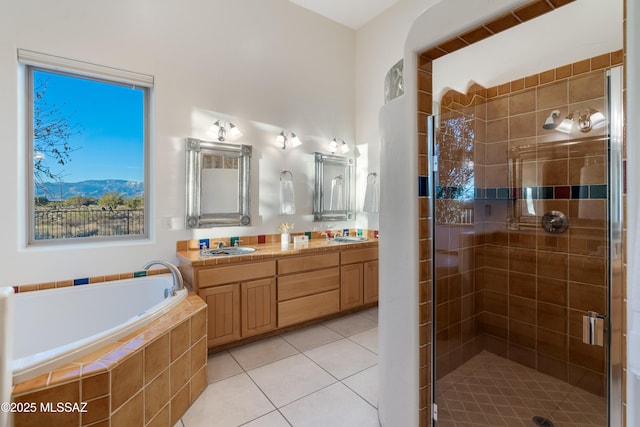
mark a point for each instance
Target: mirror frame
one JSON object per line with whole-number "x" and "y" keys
{"x": 195, "y": 218}
{"x": 319, "y": 214}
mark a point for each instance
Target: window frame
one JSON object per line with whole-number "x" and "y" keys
{"x": 34, "y": 61}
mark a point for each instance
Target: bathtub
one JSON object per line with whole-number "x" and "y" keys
{"x": 57, "y": 326}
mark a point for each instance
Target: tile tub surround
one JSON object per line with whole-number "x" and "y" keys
{"x": 149, "y": 378}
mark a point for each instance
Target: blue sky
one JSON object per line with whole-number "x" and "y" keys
{"x": 110, "y": 122}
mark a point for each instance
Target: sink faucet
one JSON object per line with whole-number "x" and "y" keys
{"x": 221, "y": 244}
{"x": 178, "y": 283}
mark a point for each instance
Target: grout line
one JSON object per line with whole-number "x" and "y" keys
{"x": 298, "y": 351}
{"x": 358, "y": 394}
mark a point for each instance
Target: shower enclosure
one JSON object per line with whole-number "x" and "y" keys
{"x": 526, "y": 198}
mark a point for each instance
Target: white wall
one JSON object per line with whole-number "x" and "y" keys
{"x": 266, "y": 65}
{"x": 379, "y": 45}
{"x": 595, "y": 29}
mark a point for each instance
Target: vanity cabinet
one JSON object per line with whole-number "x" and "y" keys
{"x": 248, "y": 298}
{"x": 308, "y": 287}
{"x": 359, "y": 277}
{"x": 240, "y": 309}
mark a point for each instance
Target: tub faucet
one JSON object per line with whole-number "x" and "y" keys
{"x": 178, "y": 283}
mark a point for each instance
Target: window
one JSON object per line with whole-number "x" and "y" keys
{"x": 87, "y": 151}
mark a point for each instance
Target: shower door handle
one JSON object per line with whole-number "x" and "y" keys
{"x": 593, "y": 329}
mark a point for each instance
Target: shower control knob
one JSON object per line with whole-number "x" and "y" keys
{"x": 554, "y": 222}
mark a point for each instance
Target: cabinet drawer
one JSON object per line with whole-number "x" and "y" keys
{"x": 307, "y": 308}
{"x": 313, "y": 282}
{"x": 310, "y": 262}
{"x": 236, "y": 273}
{"x": 359, "y": 255}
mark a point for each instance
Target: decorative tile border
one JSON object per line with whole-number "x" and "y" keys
{"x": 423, "y": 186}
{"x": 558, "y": 192}
{"x": 86, "y": 280}
{"x": 185, "y": 245}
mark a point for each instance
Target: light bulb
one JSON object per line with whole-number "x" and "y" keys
{"x": 598, "y": 120}
{"x": 233, "y": 132}
{"x": 333, "y": 145}
{"x": 344, "y": 148}
{"x": 215, "y": 127}
{"x": 295, "y": 141}
{"x": 566, "y": 125}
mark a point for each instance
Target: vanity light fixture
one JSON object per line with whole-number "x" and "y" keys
{"x": 225, "y": 131}
{"x": 592, "y": 119}
{"x": 585, "y": 121}
{"x": 287, "y": 137}
{"x": 566, "y": 125}
{"x": 337, "y": 144}
{"x": 550, "y": 123}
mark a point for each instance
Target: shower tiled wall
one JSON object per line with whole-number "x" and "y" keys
{"x": 495, "y": 25}
{"x": 530, "y": 288}
{"x": 532, "y": 306}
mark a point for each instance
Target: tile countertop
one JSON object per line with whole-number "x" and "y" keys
{"x": 270, "y": 250}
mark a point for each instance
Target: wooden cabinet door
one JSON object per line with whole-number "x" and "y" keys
{"x": 223, "y": 307}
{"x": 351, "y": 286}
{"x": 370, "y": 285}
{"x": 258, "y": 306}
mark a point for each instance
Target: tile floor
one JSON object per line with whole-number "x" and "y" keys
{"x": 320, "y": 376}
{"x": 489, "y": 390}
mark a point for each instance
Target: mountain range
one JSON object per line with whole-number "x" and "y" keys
{"x": 90, "y": 188}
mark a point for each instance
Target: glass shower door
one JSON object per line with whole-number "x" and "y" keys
{"x": 525, "y": 244}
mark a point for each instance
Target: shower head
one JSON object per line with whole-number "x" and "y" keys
{"x": 550, "y": 122}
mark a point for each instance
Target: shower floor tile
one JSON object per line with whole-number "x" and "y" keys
{"x": 492, "y": 391}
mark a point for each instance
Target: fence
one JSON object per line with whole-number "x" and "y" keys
{"x": 67, "y": 223}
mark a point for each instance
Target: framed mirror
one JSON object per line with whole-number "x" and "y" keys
{"x": 217, "y": 184}
{"x": 333, "y": 192}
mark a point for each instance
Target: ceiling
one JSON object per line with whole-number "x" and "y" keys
{"x": 351, "y": 13}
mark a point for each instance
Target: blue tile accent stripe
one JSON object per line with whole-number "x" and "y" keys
{"x": 579, "y": 191}
{"x": 503, "y": 193}
{"x": 547, "y": 192}
{"x": 142, "y": 273}
{"x": 83, "y": 281}
{"x": 598, "y": 191}
{"x": 423, "y": 186}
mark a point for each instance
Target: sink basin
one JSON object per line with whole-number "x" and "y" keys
{"x": 234, "y": 250}
{"x": 350, "y": 239}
